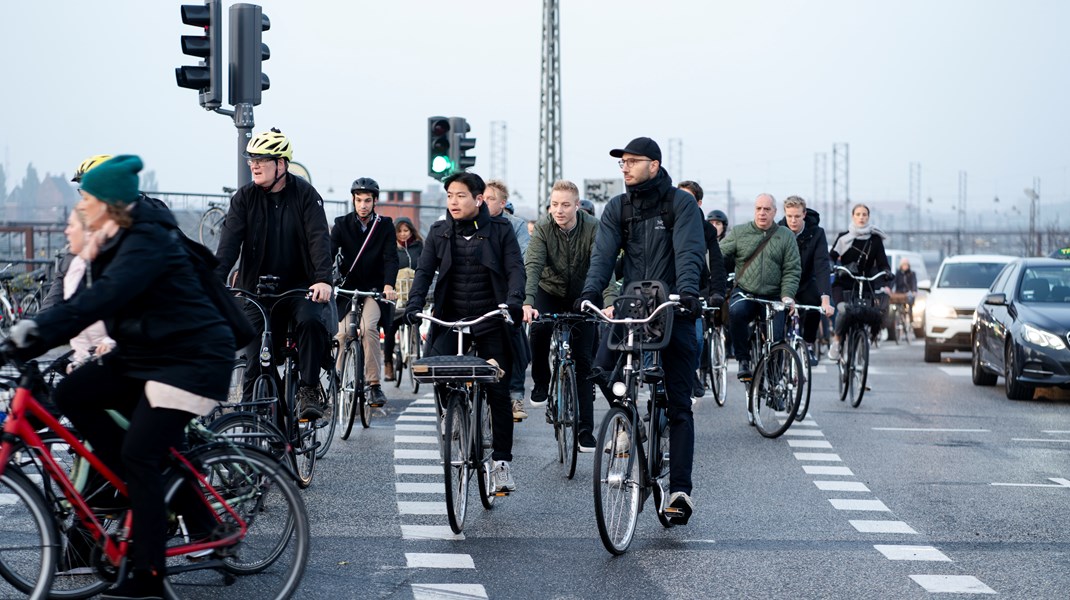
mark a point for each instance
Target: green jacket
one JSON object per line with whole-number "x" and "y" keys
{"x": 557, "y": 262}
{"x": 776, "y": 271}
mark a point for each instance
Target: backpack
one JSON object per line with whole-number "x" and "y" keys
{"x": 204, "y": 264}
{"x": 627, "y": 216}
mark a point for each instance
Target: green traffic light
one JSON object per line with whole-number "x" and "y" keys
{"x": 441, "y": 164}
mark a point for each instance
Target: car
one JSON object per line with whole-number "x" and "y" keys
{"x": 917, "y": 264}
{"x": 1021, "y": 330}
{"x": 960, "y": 284}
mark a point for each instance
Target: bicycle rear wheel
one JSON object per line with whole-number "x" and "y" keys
{"x": 29, "y": 541}
{"x": 843, "y": 366}
{"x": 776, "y": 390}
{"x": 567, "y": 413}
{"x": 659, "y": 455}
{"x": 859, "y": 371}
{"x": 415, "y": 352}
{"x": 211, "y": 225}
{"x": 300, "y": 432}
{"x": 329, "y": 392}
{"x": 718, "y": 367}
{"x": 456, "y": 451}
{"x": 250, "y": 429}
{"x": 616, "y": 481}
{"x": 799, "y": 346}
{"x": 276, "y": 545}
{"x": 358, "y": 384}
{"x": 482, "y": 449}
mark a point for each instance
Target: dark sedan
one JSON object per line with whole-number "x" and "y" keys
{"x": 1021, "y": 330}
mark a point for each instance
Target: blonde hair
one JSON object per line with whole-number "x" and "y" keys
{"x": 564, "y": 185}
{"x": 499, "y": 185}
{"x": 794, "y": 202}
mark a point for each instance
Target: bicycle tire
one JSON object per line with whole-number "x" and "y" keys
{"x": 616, "y": 482}
{"x": 843, "y": 365}
{"x": 659, "y": 449}
{"x": 250, "y": 429}
{"x": 210, "y": 225}
{"x": 482, "y": 451}
{"x": 359, "y": 384}
{"x": 29, "y": 540}
{"x": 799, "y": 346}
{"x": 348, "y": 389}
{"x": 399, "y": 365}
{"x": 328, "y": 388}
{"x": 859, "y": 372}
{"x": 30, "y": 304}
{"x": 568, "y": 440}
{"x": 415, "y": 352}
{"x": 776, "y": 390}
{"x": 301, "y": 433}
{"x": 237, "y": 382}
{"x": 718, "y": 367}
{"x": 277, "y": 542}
{"x": 455, "y": 460}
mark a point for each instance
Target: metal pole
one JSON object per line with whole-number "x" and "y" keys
{"x": 243, "y": 121}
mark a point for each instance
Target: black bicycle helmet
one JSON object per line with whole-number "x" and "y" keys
{"x": 717, "y": 215}
{"x": 587, "y": 206}
{"x": 365, "y": 184}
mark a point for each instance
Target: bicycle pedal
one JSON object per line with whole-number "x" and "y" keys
{"x": 669, "y": 511}
{"x": 516, "y": 420}
{"x": 501, "y": 493}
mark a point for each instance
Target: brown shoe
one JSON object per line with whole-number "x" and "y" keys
{"x": 388, "y": 371}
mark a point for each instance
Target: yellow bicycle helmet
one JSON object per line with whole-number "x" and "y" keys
{"x": 270, "y": 144}
{"x": 88, "y": 164}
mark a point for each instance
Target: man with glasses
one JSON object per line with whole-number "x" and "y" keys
{"x": 277, "y": 225}
{"x": 662, "y": 240}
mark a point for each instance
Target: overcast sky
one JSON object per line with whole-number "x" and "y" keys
{"x": 753, "y": 89}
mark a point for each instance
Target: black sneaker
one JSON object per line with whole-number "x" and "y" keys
{"x": 698, "y": 390}
{"x": 587, "y": 441}
{"x": 309, "y": 405}
{"x": 376, "y": 397}
{"x": 538, "y": 397}
{"x": 745, "y": 372}
{"x": 680, "y": 508}
{"x": 811, "y": 354}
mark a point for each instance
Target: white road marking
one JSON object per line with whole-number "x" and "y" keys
{"x": 448, "y": 591}
{"x": 422, "y": 508}
{"x": 419, "y": 409}
{"x": 8, "y": 499}
{"x": 819, "y": 369}
{"x": 823, "y": 470}
{"x": 401, "y": 453}
{"x": 809, "y": 444}
{"x": 952, "y": 584}
{"x": 896, "y": 552}
{"x": 818, "y": 456}
{"x": 1059, "y": 482}
{"x": 841, "y": 486}
{"x": 956, "y": 371}
{"x": 1055, "y": 431}
{"x": 430, "y": 401}
{"x": 807, "y": 422}
{"x": 855, "y": 504}
{"x": 429, "y": 532}
{"x": 418, "y": 470}
{"x": 804, "y": 433}
{"x": 421, "y": 560}
{"x": 411, "y": 427}
{"x": 408, "y": 487}
{"x": 868, "y": 526}
{"x": 426, "y": 418}
{"x": 416, "y": 439}
{"x": 936, "y": 429}
{"x": 1039, "y": 440}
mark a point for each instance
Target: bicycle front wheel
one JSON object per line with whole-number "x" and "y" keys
{"x": 567, "y": 413}
{"x": 455, "y": 460}
{"x": 329, "y": 393}
{"x": 29, "y": 542}
{"x": 483, "y": 448}
{"x": 275, "y": 547}
{"x": 616, "y": 481}
{"x": 415, "y": 352}
{"x": 859, "y": 371}
{"x": 301, "y": 432}
{"x": 348, "y": 389}
{"x": 718, "y": 367}
{"x": 776, "y": 390}
{"x": 358, "y": 384}
{"x": 799, "y": 346}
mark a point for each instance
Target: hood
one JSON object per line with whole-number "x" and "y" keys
{"x": 810, "y": 222}
{"x": 1045, "y": 315}
{"x": 151, "y": 210}
{"x": 405, "y": 220}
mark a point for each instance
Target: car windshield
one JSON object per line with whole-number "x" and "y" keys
{"x": 1045, "y": 284}
{"x": 969, "y": 275}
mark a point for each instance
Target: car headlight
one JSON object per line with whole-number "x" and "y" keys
{"x": 1044, "y": 339}
{"x": 939, "y": 311}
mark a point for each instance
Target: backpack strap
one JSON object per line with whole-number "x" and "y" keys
{"x": 665, "y": 209}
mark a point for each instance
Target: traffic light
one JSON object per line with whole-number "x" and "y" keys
{"x": 439, "y": 147}
{"x": 247, "y": 54}
{"x": 462, "y": 144}
{"x": 207, "y": 75}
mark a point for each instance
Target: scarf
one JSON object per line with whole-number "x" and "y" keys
{"x": 855, "y": 232}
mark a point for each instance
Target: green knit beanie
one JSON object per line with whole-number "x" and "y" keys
{"x": 114, "y": 180}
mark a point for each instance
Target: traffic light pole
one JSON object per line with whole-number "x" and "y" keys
{"x": 243, "y": 122}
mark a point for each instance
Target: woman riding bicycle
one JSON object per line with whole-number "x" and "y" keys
{"x": 172, "y": 361}
{"x": 860, "y": 250}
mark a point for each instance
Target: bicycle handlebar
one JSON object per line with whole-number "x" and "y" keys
{"x": 861, "y": 277}
{"x": 777, "y": 305}
{"x": 374, "y": 295}
{"x": 288, "y": 293}
{"x": 501, "y": 311}
{"x": 589, "y": 307}
{"x": 565, "y": 316}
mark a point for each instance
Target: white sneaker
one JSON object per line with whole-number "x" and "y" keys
{"x": 834, "y": 352}
{"x": 501, "y": 478}
{"x": 680, "y": 508}
{"x": 621, "y": 447}
{"x": 519, "y": 414}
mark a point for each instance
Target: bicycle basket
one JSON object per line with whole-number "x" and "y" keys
{"x": 867, "y": 311}
{"x": 637, "y": 301}
{"x": 403, "y": 285}
{"x": 450, "y": 367}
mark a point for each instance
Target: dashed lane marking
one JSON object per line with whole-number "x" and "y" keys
{"x": 823, "y": 470}
{"x": 952, "y": 584}
{"x": 1058, "y": 483}
{"x": 448, "y": 591}
{"x": 412, "y": 427}
{"x": 956, "y": 371}
{"x": 419, "y": 410}
{"x": 841, "y": 486}
{"x": 425, "y": 418}
{"x": 869, "y": 526}
{"x": 809, "y": 444}
{"x": 415, "y": 439}
{"x": 897, "y": 552}
{"x": 402, "y": 453}
{"x": 418, "y": 470}
{"x": 804, "y": 433}
{"x": 406, "y": 487}
{"x": 422, "y": 508}
{"x": 429, "y": 532}
{"x": 856, "y": 504}
{"x": 818, "y": 456}
{"x": 931, "y": 429}
{"x": 1039, "y": 440}
{"x": 422, "y": 560}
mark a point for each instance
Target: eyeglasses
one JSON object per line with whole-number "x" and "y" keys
{"x": 260, "y": 161}
{"x": 631, "y": 162}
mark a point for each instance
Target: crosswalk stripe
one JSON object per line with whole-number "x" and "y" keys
{"x": 899, "y": 552}
{"x": 429, "y": 532}
{"x": 422, "y": 508}
{"x": 868, "y": 526}
{"x": 841, "y": 486}
{"x": 823, "y": 470}
{"x": 818, "y": 456}
{"x": 410, "y": 487}
{"x": 856, "y": 504}
{"x": 952, "y": 584}
{"x": 421, "y": 560}
{"x": 448, "y": 591}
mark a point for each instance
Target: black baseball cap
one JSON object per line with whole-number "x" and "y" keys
{"x": 641, "y": 146}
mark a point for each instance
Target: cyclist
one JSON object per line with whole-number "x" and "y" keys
{"x": 556, "y": 265}
{"x": 906, "y": 282}
{"x": 814, "y": 280}
{"x": 587, "y": 206}
{"x": 860, "y": 249}
{"x": 719, "y": 220}
{"x": 410, "y": 244}
{"x": 277, "y": 225}
{"x": 367, "y": 246}
{"x": 770, "y": 270}
{"x": 479, "y": 266}
{"x": 713, "y": 276}
{"x": 673, "y": 255}
{"x": 496, "y": 197}
{"x": 172, "y": 362}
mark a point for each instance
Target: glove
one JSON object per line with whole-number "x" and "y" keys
{"x": 24, "y": 333}
{"x": 412, "y": 316}
{"x": 516, "y": 313}
{"x": 691, "y": 304}
{"x": 595, "y": 299}
{"x": 715, "y": 300}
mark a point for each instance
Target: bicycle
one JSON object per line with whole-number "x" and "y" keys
{"x": 798, "y": 344}
{"x": 10, "y": 311}
{"x": 464, "y": 414}
{"x": 901, "y": 307}
{"x": 775, "y": 390}
{"x": 562, "y": 408}
{"x": 211, "y": 224}
{"x": 714, "y": 369}
{"x": 409, "y": 346}
{"x": 355, "y": 397}
{"x": 863, "y": 314}
{"x": 44, "y": 509}
{"x": 625, "y": 472}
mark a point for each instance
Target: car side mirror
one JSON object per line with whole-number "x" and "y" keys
{"x": 996, "y": 299}
{"x": 925, "y": 288}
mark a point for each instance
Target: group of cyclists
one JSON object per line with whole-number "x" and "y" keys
{"x": 170, "y": 350}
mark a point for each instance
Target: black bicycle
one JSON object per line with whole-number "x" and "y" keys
{"x": 354, "y": 394}
{"x": 775, "y": 390}
{"x": 714, "y": 368}
{"x": 562, "y": 408}
{"x": 864, "y": 316}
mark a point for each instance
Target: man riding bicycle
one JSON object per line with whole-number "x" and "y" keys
{"x": 367, "y": 246}
{"x": 277, "y": 225}
{"x": 770, "y": 270}
{"x": 479, "y": 266}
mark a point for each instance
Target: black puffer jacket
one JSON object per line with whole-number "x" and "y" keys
{"x": 651, "y": 252}
{"x": 245, "y": 231}
{"x": 144, "y": 287}
{"x": 814, "y": 255}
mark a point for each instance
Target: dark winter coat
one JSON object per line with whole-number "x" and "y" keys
{"x": 713, "y": 271}
{"x": 814, "y": 255}
{"x": 378, "y": 265}
{"x": 558, "y": 262}
{"x": 144, "y": 287}
{"x": 55, "y": 289}
{"x": 651, "y": 252}
{"x": 863, "y": 257}
{"x": 245, "y": 232}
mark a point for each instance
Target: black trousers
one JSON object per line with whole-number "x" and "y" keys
{"x": 811, "y": 318}
{"x": 491, "y": 343}
{"x": 137, "y": 455}
{"x": 582, "y": 343}
{"x": 310, "y": 332}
